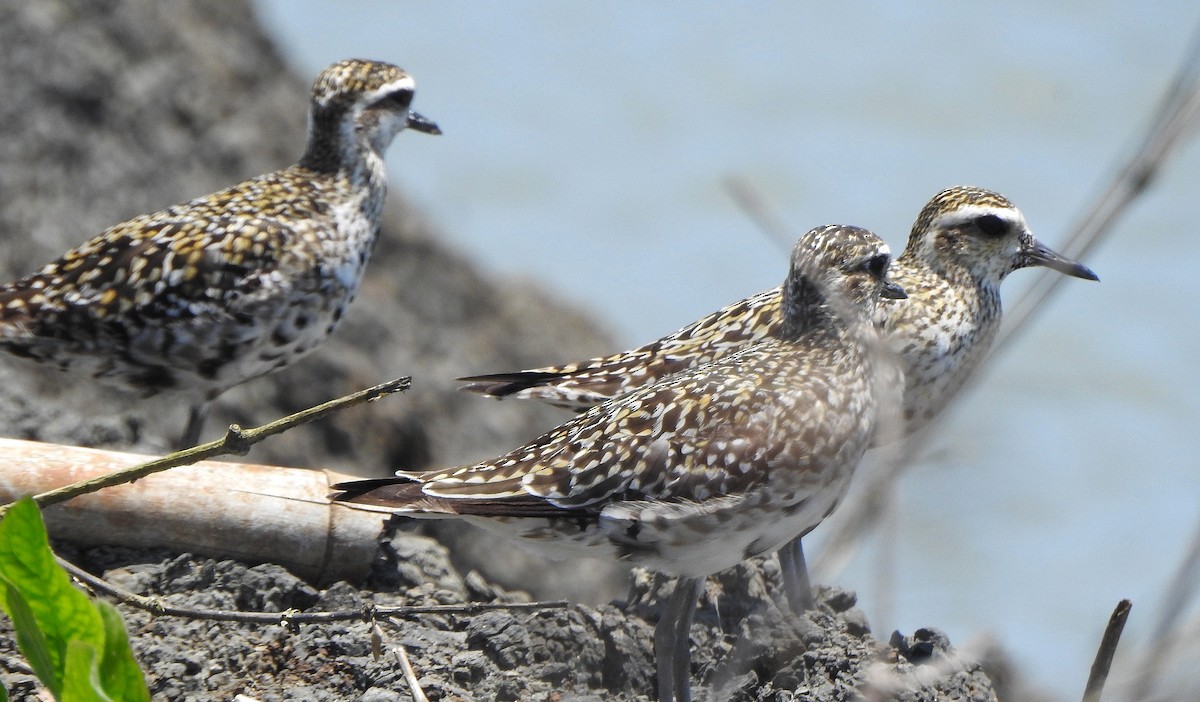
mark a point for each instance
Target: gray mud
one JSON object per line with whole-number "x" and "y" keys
{"x": 744, "y": 647}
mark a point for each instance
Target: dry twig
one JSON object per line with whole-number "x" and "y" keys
{"x": 1180, "y": 591}
{"x": 237, "y": 441}
{"x": 410, "y": 676}
{"x": 1104, "y": 656}
{"x": 755, "y": 206}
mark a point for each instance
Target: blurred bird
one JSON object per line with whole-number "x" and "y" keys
{"x": 208, "y": 294}
{"x": 713, "y": 465}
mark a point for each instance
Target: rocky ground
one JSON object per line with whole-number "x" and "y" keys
{"x": 117, "y": 107}
{"x": 744, "y": 647}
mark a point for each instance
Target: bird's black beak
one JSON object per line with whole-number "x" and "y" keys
{"x": 419, "y": 123}
{"x": 892, "y": 291}
{"x": 1041, "y": 255}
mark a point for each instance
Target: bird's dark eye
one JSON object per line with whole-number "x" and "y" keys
{"x": 877, "y": 265}
{"x": 396, "y": 100}
{"x": 991, "y": 225}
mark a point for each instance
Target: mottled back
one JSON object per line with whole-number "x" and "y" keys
{"x": 964, "y": 242}
{"x": 776, "y": 428}
{"x": 209, "y": 293}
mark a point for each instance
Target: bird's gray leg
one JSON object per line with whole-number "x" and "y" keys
{"x": 795, "y": 576}
{"x": 672, "y": 654}
{"x": 197, "y": 413}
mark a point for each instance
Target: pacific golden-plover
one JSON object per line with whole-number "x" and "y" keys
{"x": 205, "y": 295}
{"x": 965, "y": 241}
{"x": 715, "y": 464}
{"x": 963, "y": 244}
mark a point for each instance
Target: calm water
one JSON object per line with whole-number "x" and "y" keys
{"x": 586, "y": 146}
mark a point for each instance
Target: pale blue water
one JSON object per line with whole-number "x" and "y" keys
{"x": 586, "y": 145}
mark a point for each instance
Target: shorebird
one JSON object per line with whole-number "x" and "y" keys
{"x": 964, "y": 243}
{"x": 210, "y": 293}
{"x": 713, "y": 465}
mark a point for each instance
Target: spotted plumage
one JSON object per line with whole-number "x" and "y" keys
{"x": 210, "y": 293}
{"x": 964, "y": 242}
{"x": 715, "y": 464}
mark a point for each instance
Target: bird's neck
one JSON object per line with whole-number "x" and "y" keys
{"x": 805, "y": 308}
{"x": 335, "y": 146}
{"x": 955, "y": 273}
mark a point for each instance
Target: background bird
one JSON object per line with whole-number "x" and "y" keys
{"x": 210, "y": 293}
{"x": 715, "y": 464}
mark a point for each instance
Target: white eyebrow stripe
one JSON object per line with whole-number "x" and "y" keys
{"x": 969, "y": 212}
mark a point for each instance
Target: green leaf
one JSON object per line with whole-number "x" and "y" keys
{"x": 120, "y": 675}
{"x": 104, "y": 676}
{"x": 58, "y": 612}
{"x": 31, "y": 639}
{"x": 81, "y": 675}
{"x": 79, "y": 649}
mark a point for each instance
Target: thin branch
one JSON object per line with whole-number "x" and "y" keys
{"x": 1104, "y": 656}
{"x": 756, "y": 208}
{"x": 237, "y": 441}
{"x": 410, "y": 676}
{"x": 1181, "y": 589}
{"x": 291, "y": 618}
{"x": 856, "y": 518}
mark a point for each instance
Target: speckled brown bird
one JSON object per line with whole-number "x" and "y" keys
{"x": 715, "y": 464}
{"x": 208, "y": 294}
{"x": 963, "y": 244}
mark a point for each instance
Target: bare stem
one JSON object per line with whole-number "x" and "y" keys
{"x": 1104, "y": 656}
{"x": 237, "y": 441}
{"x": 410, "y": 675}
{"x": 755, "y": 206}
{"x": 1163, "y": 637}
